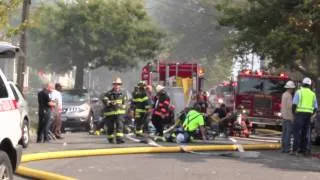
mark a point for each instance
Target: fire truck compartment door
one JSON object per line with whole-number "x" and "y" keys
{"x": 176, "y": 95}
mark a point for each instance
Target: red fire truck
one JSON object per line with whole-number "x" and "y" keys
{"x": 180, "y": 79}
{"x": 223, "y": 93}
{"x": 169, "y": 74}
{"x": 260, "y": 94}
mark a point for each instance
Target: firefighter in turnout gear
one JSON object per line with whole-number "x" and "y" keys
{"x": 161, "y": 110}
{"x": 141, "y": 107}
{"x": 114, "y": 112}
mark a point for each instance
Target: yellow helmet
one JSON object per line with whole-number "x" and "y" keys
{"x": 117, "y": 81}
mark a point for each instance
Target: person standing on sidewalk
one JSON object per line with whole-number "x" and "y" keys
{"x": 304, "y": 105}
{"x": 287, "y": 115}
{"x": 57, "y": 97}
{"x": 45, "y": 105}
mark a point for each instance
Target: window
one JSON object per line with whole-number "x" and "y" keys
{"x": 74, "y": 97}
{"x": 3, "y": 89}
{"x": 16, "y": 96}
{"x": 250, "y": 85}
{"x": 222, "y": 90}
{"x": 255, "y": 85}
{"x": 19, "y": 91}
{"x": 274, "y": 87}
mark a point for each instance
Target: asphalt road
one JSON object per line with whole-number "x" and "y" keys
{"x": 269, "y": 165}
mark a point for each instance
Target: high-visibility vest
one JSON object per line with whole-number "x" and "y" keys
{"x": 306, "y": 100}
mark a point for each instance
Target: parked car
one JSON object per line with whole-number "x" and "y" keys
{"x": 79, "y": 110}
{"x": 24, "y": 120}
{"x": 10, "y": 128}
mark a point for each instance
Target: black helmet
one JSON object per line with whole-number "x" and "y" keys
{"x": 196, "y": 107}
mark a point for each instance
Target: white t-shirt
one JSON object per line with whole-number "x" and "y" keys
{"x": 57, "y": 97}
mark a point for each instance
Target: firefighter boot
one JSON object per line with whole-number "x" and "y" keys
{"x": 139, "y": 133}
{"x": 120, "y": 141}
{"x": 111, "y": 140}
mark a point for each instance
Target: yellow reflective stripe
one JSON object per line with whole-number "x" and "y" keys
{"x": 119, "y": 134}
{"x": 110, "y": 136}
{"x": 108, "y": 113}
{"x": 117, "y": 101}
{"x": 140, "y": 99}
{"x": 140, "y": 110}
{"x": 139, "y": 132}
{"x": 117, "y": 112}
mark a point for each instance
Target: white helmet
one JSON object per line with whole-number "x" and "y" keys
{"x": 159, "y": 88}
{"x": 180, "y": 138}
{"x": 307, "y": 81}
{"x": 117, "y": 81}
{"x": 290, "y": 85}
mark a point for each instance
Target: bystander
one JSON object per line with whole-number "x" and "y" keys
{"x": 304, "y": 105}
{"x": 56, "y": 96}
{"x": 44, "y": 113}
{"x": 287, "y": 116}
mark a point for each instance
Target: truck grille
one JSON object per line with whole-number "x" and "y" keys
{"x": 262, "y": 106}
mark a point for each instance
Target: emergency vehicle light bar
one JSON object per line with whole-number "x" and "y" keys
{"x": 261, "y": 73}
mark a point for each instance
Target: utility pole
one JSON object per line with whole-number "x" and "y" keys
{"x": 23, "y": 44}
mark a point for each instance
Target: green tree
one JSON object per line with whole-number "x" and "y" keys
{"x": 7, "y": 7}
{"x": 219, "y": 69}
{"x": 90, "y": 34}
{"x": 285, "y": 31}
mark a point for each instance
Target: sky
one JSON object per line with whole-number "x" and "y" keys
{"x": 256, "y": 65}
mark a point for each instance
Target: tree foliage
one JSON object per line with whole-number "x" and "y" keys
{"x": 285, "y": 31}
{"x": 90, "y": 34}
{"x": 220, "y": 68}
{"x": 193, "y": 24}
{"x": 7, "y": 7}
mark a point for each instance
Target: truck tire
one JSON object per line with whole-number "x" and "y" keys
{"x": 6, "y": 171}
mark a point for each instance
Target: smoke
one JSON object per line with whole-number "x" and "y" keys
{"x": 194, "y": 23}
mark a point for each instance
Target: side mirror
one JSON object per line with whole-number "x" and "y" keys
{"x": 94, "y": 100}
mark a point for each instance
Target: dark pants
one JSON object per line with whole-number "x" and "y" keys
{"x": 286, "y": 135}
{"x": 301, "y": 129}
{"x": 43, "y": 125}
{"x": 223, "y": 124}
{"x": 141, "y": 123}
{"x": 115, "y": 123}
{"x": 158, "y": 123}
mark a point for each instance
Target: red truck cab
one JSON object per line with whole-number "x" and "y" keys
{"x": 260, "y": 94}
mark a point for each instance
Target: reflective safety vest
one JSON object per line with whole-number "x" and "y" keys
{"x": 193, "y": 121}
{"x": 306, "y": 100}
{"x": 116, "y": 103}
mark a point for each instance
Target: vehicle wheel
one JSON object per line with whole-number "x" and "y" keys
{"x": 91, "y": 125}
{"x": 25, "y": 134}
{"x": 6, "y": 171}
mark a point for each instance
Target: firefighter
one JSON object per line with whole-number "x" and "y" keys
{"x": 201, "y": 100}
{"x": 114, "y": 111}
{"x": 160, "y": 110}
{"x": 304, "y": 106}
{"x": 141, "y": 107}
